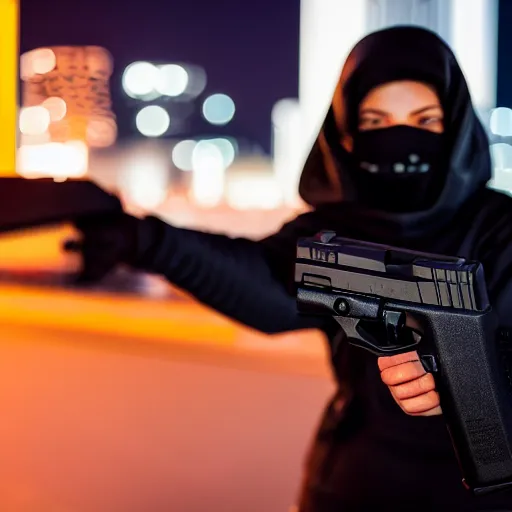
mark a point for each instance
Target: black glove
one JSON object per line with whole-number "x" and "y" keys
{"x": 106, "y": 242}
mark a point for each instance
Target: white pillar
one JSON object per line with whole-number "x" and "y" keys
{"x": 474, "y": 39}
{"x": 328, "y": 31}
{"x": 286, "y": 144}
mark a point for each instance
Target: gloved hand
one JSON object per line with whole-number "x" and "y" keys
{"x": 105, "y": 243}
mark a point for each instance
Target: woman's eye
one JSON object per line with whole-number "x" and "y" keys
{"x": 370, "y": 122}
{"x": 425, "y": 121}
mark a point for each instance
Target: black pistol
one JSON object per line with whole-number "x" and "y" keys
{"x": 369, "y": 289}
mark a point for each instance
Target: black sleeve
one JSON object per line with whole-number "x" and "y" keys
{"x": 248, "y": 281}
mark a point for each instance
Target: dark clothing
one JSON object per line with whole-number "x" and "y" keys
{"x": 369, "y": 454}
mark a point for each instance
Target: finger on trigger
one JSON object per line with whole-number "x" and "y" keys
{"x": 414, "y": 388}
{"x": 402, "y": 373}
{"x": 390, "y": 361}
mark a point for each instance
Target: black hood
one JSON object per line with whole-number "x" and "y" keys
{"x": 398, "y": 53}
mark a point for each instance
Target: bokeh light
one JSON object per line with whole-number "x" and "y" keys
{"x": 219, "y": 109}
{"x": 145, "y": 182}
{"x": 75, "y": 93}
{"x": 227, "y": 149}
{"x": 183, "y": 151}
{"x": 182, "y": 154}
{"x": 208, "y": 174}
{"x": 501, "y": 122}
{"x": 196, "y": 82}
{"x": 101, "y": 132}
{"x": 43, "y": 60}
{"x": 172, "y": 80}
{"x": 53, "y": 159}
{"x": 246, "y": 191}
{"x": 34, "y": 120}
{"x": 153, "y": 121}
{"x": 139, "y": 79}
{"x": 56, "y": 107}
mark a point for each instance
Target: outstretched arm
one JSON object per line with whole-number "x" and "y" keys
{"x": 250, "y": 282}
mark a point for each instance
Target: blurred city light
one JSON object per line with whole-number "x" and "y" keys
{"x": 43, "y": 61}
{"x": 219, "y": 109}
{"x": 74, "y": 92}
{"x": 139, "y": 79}
{"x": 56, "y": 107}
{"x": 145, "y": 182}
{"x": 147, "y": 81}
{"x": 208, "y": 174}
{"x": 227, "y": 148}
{"x": 153, "y": 121}
{"x": 37, "y": 62}
{"x": 182, "y": 154}
{"x": 172, "y": 80}
{"x": 34, "y": 120}
{"x": 101, "y": 132}
{"x": 196, "y": 81}
{"x": 501, "y": 122}
{"x": 53, "y": 159}
{"x": 247, "y": 191}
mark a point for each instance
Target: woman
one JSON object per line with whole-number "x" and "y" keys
{"x": 401, "y": 159}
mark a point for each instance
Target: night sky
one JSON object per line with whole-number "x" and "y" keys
{"x": 248, "y": 49}
{"x": 504, "y": 53}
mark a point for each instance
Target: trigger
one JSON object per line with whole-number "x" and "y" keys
{"x": 394, "y": 322}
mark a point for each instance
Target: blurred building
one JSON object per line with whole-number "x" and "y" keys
{"x": 66, "y": 110}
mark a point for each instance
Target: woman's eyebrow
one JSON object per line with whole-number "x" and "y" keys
{"x": 375, "y": 111}
{"x": 424, "y": 109}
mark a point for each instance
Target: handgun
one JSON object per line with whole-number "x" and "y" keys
{"x": 27, "y": 203}
{"x": 370, "y": 289}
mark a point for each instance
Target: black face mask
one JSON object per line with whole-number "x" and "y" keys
{"x": 398, "y": 169}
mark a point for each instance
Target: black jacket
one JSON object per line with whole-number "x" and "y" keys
{"x": 368, "y": 454}
{"x": 371, "y": 453}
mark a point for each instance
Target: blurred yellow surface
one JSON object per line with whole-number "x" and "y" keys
{"x": 94, "y": 312}
{"x": 8, "y": 85}
{"x": 127, "y": 323}
{"x": 37, "y": 249}
{"x": 117, "y": 315}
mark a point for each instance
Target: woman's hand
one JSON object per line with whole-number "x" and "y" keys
{"x": 411, "y": 386}
{"x": 106, "y": 242}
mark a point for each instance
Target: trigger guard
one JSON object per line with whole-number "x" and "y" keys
{"x": 357, "y": 336}
{"x": 368, "y": 342}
